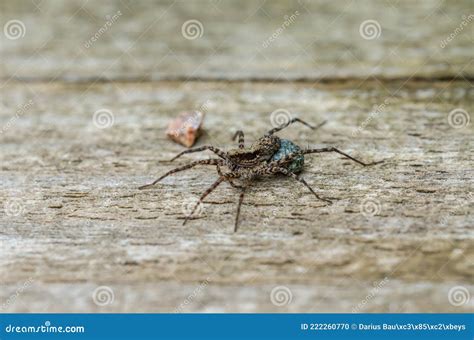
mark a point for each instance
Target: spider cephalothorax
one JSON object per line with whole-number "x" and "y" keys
{"x": 268, "y": 156}
{"x": 260, "y": 151}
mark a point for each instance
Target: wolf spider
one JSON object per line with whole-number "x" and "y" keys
{"x": 267, "y": 156}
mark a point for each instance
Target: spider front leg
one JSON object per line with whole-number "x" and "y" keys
{"x": 185, "y": 167}
{"x": 291, "y": 121}
{"x": 229, "y": 177}
{"x": 217, "y": 151}
{"x": 239, "y": 205}
{"x": 240, "y": 134}
{"x": 332, "y": 149}
{"x": 203, "y": 196}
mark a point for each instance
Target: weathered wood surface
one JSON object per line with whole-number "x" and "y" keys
{"x": 74, "y": 220}
{"x": 237, "y": 39}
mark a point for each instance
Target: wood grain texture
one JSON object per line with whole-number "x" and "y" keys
{"x": 74, "y": 220}
{"x": 237, "y": 39}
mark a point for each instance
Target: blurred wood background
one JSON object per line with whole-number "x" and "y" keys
{"x": 394, "y": 80}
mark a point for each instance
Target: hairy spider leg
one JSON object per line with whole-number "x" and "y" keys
{"x": 185, "y": 167}
{"x": 217, "y": 151}
{"x": 239, "y": 205}
{"x": 240, "y": 134}
{"x": 228, "y": 177}
{"x": 301, "y": 180}
{"x": 276, "y": 167}
{"x": 291, "y": 121}
{"x": 332, "y": 149}
{"x": 203, "y": 196}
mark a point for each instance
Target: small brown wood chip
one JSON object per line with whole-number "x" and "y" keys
{"x": 185, "y": 129}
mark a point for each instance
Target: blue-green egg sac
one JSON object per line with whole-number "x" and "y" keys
{"x": 287, "y": 147}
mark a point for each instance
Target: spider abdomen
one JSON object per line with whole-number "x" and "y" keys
{"x": 286, "y": 148}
